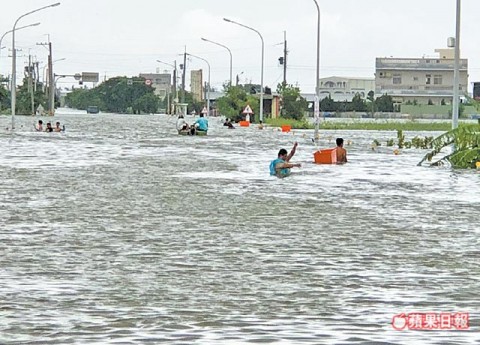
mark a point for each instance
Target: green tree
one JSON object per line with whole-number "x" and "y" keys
{"x": 234, "y": 102}
{"x": 371, "y": 98}
{"x": 148, "y": 103}
{"x": 294, "y": 105}
{"x": 82, "y": 98}
{"x": 193, "y": 104}
{"x": 384, "y": 103}
{"x": 358, "y": 103}
{"x": 117, "y": 95}
{"x": 24, "y": 99}
{"x": 4, "y": 98}
{"x": 327, "y": 104}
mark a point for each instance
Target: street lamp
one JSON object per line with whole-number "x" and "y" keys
{"x": 456, "y": 72}
{"x": 263, "y": 53}
{"x": 229, "y": 51}
{"x": 174, "y": 80}
{"x": 317, "y": 84}
{"x": 208, "y": 89}
{"x": 14, "y": 62}
{"x": 22, "y": 27}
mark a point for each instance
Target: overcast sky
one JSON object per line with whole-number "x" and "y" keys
{"x": 125, "y": 38}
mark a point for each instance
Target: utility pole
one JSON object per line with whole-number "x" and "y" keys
{"x": 30, "y": 83}
{"x": 285, "y": 58}
{"x": 51, "y": 85}
{"x": 37, "y": 76}
{"x": 456, "y": 72}
{"x": 175, "y": 87}
{"x": 183, "y": 74}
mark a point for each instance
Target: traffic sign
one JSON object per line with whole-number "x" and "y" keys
{"x": 247, "y": 110}
{"x": 91, "y": 77}
{"x": 148, "y": 82}
{"x": 204, "y": 110}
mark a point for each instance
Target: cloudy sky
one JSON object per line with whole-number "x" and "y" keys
{"x": 125, "y": 38}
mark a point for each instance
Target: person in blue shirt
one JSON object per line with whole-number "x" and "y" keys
{"x": 281, "y": 166}
{"x": 201, "y": 124}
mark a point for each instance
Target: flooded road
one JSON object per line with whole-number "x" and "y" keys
{"x": 119, "y": 231}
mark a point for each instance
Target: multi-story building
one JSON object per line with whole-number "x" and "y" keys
{"x": 161, "y": 82}
{"x": 342, "y": 89}
{"x": 423, "y": 80}
{"x": 196, "y": 85}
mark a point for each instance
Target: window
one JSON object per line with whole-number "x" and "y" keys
{"x": 397, "y": 79}
{"x": 415, "y": 78}
{"x": 437, "y": 79}
{"x": 428, "y": 79}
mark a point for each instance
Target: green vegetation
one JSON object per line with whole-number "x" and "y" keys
{"x": 295, "y": 124}
{"x": 416, "y": 142}
{"x": 365, "y": 126}
{"x": 234, "y": 102}
{"x": 293, "y": 104}
{"x": 465, "y": 110}
{"x": 4, "y": 99}
{"x": 117, "y": 95}
{"x": 23, "y": 99}
{"x": 193, "y": 105}
{"x": 383, "y": 103}
{"x": 466, "y": 141}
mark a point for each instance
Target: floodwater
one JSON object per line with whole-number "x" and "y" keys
{"x": 119, "y": 231}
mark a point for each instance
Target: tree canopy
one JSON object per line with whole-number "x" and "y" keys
{"x": 117, "y": 95}
{"x": 234, "y": 102}
{"x": 294, "y": 105}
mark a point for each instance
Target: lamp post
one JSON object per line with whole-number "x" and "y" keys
{"x": 208, "y": 89}
{"x": 174, "y": 80}
{"x": 22, "y": 27}
{"x": 14, "y": 62}
{"x": 229, "y": 51}
{"x": 263, "y": 54}
{"x": 317, "y": 83}
{"x": 456, "y": 73}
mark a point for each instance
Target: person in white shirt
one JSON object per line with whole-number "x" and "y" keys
{"x": 182, "y": 125}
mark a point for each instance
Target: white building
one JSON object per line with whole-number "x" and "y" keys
{"x": 342, "y": 89}
{"x": 426, "y": 80}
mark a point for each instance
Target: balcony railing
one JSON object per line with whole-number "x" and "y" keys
{"x": 419, "y": 64}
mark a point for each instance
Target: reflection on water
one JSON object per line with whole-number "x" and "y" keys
{"x": 120, "y": 231}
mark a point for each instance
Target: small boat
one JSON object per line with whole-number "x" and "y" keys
{"x": 188, "y": 132}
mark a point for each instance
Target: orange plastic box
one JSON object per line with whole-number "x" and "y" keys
{"x": 286, "y": 128}
{"x": 327, "y": 156}
{"x": 244, "y": 124}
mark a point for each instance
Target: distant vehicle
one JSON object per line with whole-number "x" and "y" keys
{"x": 92, "y": 109}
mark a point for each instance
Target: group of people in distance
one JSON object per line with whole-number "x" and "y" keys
{"x": 228, "y": 123}
{"x": 281, "y": 167}
{"x": 49, "y": 128}
{"x": 201, "y": 125}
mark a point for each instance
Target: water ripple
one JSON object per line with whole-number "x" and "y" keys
{"x": 119, "y": 231}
